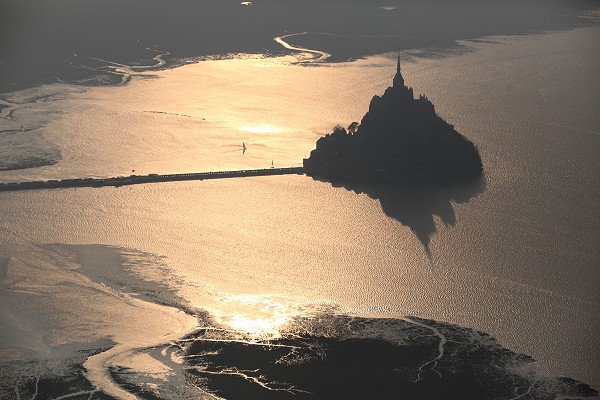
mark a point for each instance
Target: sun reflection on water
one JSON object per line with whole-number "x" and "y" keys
{"x": 256, "y": 326}
{"x": 254, "y": 315}
{"x": 261, "y": 128}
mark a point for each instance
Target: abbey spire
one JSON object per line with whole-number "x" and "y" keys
{"x": 398, "y": 79}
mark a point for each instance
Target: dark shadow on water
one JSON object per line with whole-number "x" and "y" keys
{"x": 417, "y": 205}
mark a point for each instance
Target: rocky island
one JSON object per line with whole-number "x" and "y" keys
{"x": 400, "y": 139}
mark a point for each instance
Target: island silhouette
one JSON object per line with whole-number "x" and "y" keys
{"x": 406, "y": 156}
{"x": 400, "y": 139}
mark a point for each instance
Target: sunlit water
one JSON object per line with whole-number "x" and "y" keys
{"x": 518, "y": 261}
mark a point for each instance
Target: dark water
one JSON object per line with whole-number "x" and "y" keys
{"x": 65, "y": 39}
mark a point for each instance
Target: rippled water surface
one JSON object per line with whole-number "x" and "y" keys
{"x": 515, "y": 255}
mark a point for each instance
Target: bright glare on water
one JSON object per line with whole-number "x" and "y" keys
{"x": 518, "y": 260}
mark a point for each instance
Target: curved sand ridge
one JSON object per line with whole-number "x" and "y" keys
{"x": 317, "y": 55}
{"x": 113, "y": 311}
{"x": 127, "y": 71}
{"x": 98, "y": 366}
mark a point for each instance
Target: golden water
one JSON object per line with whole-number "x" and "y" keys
{"x": 518, "y": 261}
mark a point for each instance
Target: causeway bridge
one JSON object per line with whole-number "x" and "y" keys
{"x": 151, "y": 178}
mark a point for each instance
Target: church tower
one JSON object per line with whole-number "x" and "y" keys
{"x": 398, "y": 79}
